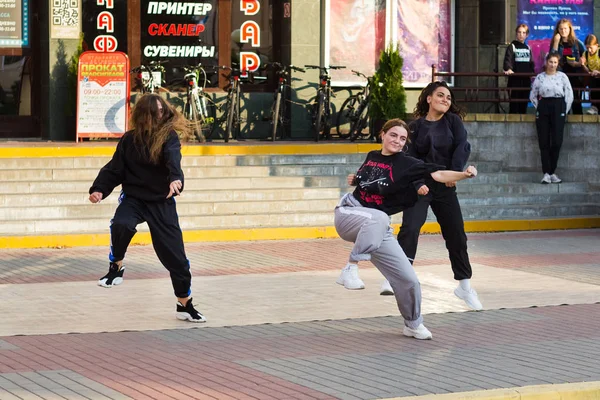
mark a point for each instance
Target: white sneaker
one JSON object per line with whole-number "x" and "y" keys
{"x": 546, "y": 178}
{"x": 593, "y": 110}
{"x": 555, "y": 179}
{"x": 421, "y": 332}
{"x": 349, "y": 278}
{"x": 470, "y": 297}
{"x": 386, "y": 289}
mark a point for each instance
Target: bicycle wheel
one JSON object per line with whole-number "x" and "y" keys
{"x": 318, "y": 121}
{"x": 276, "y": 118}
{"x": 208, "y": 116}
{"x": 346, "y": 117}
{"x": 361, "y": 123}
{"x": 231, "y": 110}
{"x": 192, "y": 116}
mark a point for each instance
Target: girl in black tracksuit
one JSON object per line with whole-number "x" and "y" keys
{"x": 147, "y": 163}
{"x": 439, "y": 137}
{"x": 518, "y": 59}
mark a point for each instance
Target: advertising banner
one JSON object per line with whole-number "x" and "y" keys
{"x": 542, "y": 15}
{"x": 14, "y": 23}
{"x": 425, "y": 38}
{"x": 357, "y": 36}
{"x": 102, "y": 94}
{"x": 185, "y": 33}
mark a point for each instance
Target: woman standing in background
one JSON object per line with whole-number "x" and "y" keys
{"x": 518, "y": 59}
{"x": 552, "y": 96}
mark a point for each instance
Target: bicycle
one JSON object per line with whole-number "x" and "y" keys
{"x": 230, "y": 119}
{"x": 321, "y": 108}
{"x": 279, "y": 119}
{"x": 150, "y": 77}
{"x": 355, "y": 111}
{"x": 199, "y": 107}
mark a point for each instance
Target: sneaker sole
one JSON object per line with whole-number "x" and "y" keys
{"x": 341, "y": 282}
{"x": 386, "y": 293}
{"x": 468, "y": 305}
{"x": 183, "y": 316}
{"x": 116, "y": 281}
{"x": 410, "y": 334}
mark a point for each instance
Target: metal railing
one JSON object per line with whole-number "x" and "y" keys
{"x": 502, "y": 94}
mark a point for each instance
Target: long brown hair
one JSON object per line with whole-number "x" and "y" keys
{"x": 571, "y": 39}
{"x": 422, "y": 107}
{"x": 150, "y": 130}
{"x": 591, "y": 40}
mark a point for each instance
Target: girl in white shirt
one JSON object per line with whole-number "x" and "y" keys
{"x": 552, "y": 96}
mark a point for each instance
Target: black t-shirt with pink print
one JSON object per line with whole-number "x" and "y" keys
{"x": 386, "y": 182}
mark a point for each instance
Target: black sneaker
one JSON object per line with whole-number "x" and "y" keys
{"x": 188, "y": 312}
{"x": 114, "y": 276}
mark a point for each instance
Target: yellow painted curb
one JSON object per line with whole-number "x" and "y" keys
{"x": 192, "y": 150}
{"x": 309, "y": 232}
{"x": 566, "y": 391}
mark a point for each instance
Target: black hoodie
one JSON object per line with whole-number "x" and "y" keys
{"x": 130, "y": 166}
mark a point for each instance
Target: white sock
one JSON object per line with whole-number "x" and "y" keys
{"x": 465, "y": 284}
{"x": 350, "y": 264}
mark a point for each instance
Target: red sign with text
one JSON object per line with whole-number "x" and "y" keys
{"x": 102, "y": 94}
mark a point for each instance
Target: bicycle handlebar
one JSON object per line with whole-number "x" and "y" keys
{"x": 325, "y": 68}
{"x": 359, "y": 74}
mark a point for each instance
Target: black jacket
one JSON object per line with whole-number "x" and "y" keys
{"x": 442, "y": 142}
{"x": 130, "y": 167}
{"x": 518, "y": 57}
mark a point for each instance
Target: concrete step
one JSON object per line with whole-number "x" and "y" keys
{"x": 473, "y": 188}
{"x": 199, "y": 222}
{"x": 80, "y": 198}
{"x": 266, "y": 182}
{"x": 98, "y": 162}
{"x": 526, "y": 211}
{"x": 79, "y": 174}
{"x": 102, "y": 210}
{"x": 531, "y": 199}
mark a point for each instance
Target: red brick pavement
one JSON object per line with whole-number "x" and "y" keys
{"x": 538, "y": 250}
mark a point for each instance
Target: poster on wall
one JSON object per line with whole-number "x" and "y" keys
{"x": 182, "y": 33}
{"x": 356, "y": 37}
{"x": 102, "y": 94}
{"x": 104, "y": 25}
{"x": 14, "y": 23}
{"x": 542, "y": 15}
{"x": 425, "y": 38}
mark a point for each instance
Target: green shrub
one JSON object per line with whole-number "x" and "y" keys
{"x": 388, "y": 98}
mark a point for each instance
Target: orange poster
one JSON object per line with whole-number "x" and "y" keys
{"x": 102, "y": 94}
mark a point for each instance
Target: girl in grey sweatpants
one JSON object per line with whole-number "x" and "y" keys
{"x": 370, "y": 231}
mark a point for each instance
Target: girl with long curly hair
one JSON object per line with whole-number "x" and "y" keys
{"x": 147, "y": 163}
{"x": 571, "y": 52}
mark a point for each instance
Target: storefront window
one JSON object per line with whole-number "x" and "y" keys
{"x": 11, "y": 77}
{"x": 182, "y": 33}
{"x": 358, "y": 31}
{"x": 424, "y": 35}
{"x": 356, "y": 37}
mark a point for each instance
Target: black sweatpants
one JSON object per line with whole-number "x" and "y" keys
{"x": 550, "y": 123}
{"x": 518, "y": 82}
{"x": 167, "y": 238}
{"x": 445, "y": 206}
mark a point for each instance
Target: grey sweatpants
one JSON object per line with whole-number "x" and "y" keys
{"x": 370, "y": 231}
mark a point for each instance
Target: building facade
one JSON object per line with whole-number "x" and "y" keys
{"x": 39, "y": 38}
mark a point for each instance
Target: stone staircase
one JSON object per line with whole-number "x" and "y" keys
{"x": 48, "y": 196}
